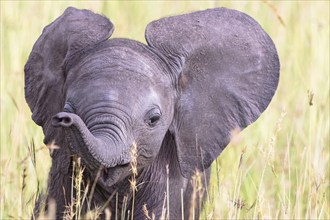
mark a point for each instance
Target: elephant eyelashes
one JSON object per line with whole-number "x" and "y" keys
{"x": 152, "y": 117}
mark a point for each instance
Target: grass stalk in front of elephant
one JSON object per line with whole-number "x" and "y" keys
{"x": 176, "y": 100}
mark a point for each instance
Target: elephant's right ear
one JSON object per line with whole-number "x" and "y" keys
{"x": 71, "y": 33}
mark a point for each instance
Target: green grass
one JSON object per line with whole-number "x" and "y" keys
{"x": 277, "y": 168}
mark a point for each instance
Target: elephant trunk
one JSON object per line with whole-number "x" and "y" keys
{"x": 95, "y": 151}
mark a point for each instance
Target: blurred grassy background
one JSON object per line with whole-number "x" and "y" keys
{"x": 277, "y": 168}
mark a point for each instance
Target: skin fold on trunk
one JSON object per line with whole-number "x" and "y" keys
{"x": 96, "y": 151}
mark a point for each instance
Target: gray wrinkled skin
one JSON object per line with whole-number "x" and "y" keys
{"x": 200, "y": 76}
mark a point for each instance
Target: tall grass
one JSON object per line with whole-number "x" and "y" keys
{"x": 277, "y": 168}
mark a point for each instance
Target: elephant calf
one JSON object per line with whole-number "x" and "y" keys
{"x": 176, "y": 99}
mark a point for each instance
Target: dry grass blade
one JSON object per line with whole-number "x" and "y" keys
{"x": 51, "y": 214}
{"x": 163, "y": 214}
{"x": 98, "y": 174}
{"x": 51, "y": 147}
{"x": 74, "y": 208}
{"x": 241, "y": 158}
{"x": 24, "y": 175}
{"x": 116, "y": 216}
{"x": 107, "y": 213}
{"x": 310, "y": 94}
{"x": 167, "y": 192}
{"x": 134, "y": 174}
{"x": 14, "y": 102}
{"x": 193, "y": 199}
{"x": 123, "y": 210}
{"x": 182, "y": 205}
{"x": 146, "y": 213}
{"x": 85, "y": 195}
{"x": 78, "y": 183}
{"x": 105, "y": 205}
{"x": 274, "y": 9}
{"x": 31, "y": 154}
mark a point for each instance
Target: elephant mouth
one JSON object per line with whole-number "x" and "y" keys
{"x": 110, "y": 176}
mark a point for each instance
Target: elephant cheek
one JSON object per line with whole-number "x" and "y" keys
{"x": 146, "y": 154}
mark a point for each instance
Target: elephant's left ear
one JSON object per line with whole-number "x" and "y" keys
{"x": 227, "y": 71}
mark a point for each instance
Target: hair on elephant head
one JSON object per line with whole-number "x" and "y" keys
{"x": 178, "y": 98}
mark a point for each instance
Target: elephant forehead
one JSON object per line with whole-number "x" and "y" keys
{"x": 118, "y": 56}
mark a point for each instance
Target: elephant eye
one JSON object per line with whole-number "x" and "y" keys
{"x": 152, "y": 121}
{"x": 152, "y": 117}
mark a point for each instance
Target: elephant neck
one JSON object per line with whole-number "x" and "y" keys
{"x": 163, "y": 173}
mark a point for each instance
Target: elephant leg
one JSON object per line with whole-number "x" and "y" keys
{"x": 59, "y": 185}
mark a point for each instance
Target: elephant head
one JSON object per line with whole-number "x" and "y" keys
{"x": 200, "y": 76}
